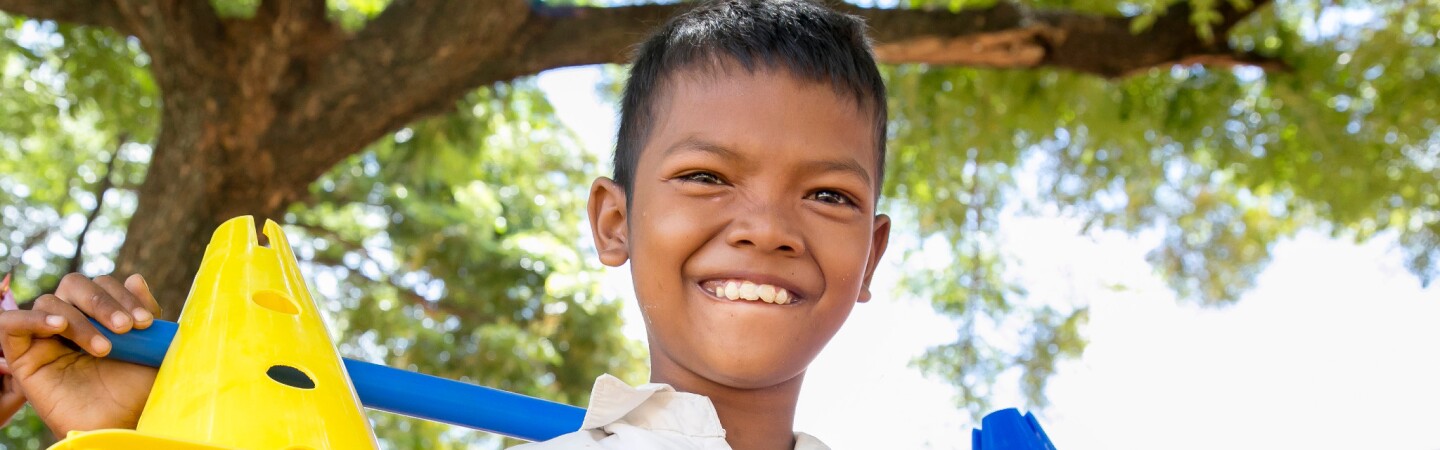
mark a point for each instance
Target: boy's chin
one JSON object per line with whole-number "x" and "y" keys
{"x": 753, "y": 373}
{"x": 761, "y": 380}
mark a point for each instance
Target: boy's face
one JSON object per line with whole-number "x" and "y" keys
{"x": 746, "y": 178}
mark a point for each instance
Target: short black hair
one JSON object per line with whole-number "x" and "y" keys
{"x": 807, "y": 40}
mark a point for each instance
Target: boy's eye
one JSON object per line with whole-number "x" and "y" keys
{"x": 832, "y": 197}
{"x": 702, "y": 177}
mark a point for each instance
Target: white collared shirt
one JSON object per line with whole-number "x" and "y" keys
{"x": 652, "y": 416}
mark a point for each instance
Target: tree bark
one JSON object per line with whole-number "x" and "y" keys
{"x": 207, "y": 165}
{"x": 256, "y": 109}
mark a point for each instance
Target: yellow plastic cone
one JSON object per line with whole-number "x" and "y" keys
{"x": 252, "y": 366}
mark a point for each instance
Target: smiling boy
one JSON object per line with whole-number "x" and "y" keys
{"x": 748, "y": 167}
{"x": 747, "y": 171}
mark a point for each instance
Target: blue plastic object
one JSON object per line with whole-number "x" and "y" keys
{"x": 400, "y": 392}
{"x": 1006, "y": 429}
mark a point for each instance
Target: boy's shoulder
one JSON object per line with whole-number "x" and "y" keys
{"x": 649, "y": 416}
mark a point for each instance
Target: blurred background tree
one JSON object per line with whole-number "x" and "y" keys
{"x": 436, "y": 202}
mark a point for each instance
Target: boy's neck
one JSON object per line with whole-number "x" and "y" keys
{"x": 754, "y": 419}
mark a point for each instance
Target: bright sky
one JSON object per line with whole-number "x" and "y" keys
{"x": 1334, "y": 349}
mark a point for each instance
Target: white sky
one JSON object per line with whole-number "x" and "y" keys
{"x": 1334, "y": 349}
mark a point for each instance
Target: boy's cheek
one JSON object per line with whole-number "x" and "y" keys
{"x": 678, "y": 224}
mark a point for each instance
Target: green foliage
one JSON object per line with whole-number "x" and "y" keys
{"x": 68, "y": 98}
{"x": 447, "y": 248}
{"x": 353, "y": 14}
{"x": 235, "y": 9}
{"x": 450, "y": 247}
{"x": 1224, "y": 163}
{"x": 25, "y": 431}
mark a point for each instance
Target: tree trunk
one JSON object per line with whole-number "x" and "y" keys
{"x": 197, "y": 179}
{"x": 208, "y": 165}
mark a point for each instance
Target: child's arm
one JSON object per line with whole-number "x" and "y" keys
{"x": 73, "y": 389}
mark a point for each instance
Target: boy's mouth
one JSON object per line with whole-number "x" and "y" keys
{"x": 738, "y": 289}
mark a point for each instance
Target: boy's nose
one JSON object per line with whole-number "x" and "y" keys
{"x": 767, "y": 229}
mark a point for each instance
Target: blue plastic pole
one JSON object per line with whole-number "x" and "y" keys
{"x": 400, "y": 392}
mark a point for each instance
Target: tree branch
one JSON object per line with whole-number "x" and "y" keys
{"x": 1105, "y": 46}
{"x": 1006, "y": 35}
{"x": 298, "y": 27}
{"x": 420, "y": 55}
{"x": 160, "y": 23}
{"x": 41, "y": 235}
{"x": 100, "y": 13}
{"x": 575, "y": 36}
{"x": 434, "y": 309}
{"x": 28, "y": 243}
{"x": 106, "y": 182}
{"x": 297, "y": 12}
{"x": 413, "y": 60}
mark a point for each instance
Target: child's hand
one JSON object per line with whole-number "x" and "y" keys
{"x": 73, "y": 389}
{"x": 11, "y": 398}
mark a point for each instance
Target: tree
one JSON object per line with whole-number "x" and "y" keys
{"x": 1226, "y": 124}
{"x": 1223, "y": 162}
{"x": 260, "y": 101}
{"x": 455, "y": 256}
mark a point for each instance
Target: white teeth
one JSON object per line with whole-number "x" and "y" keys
{"x": 747, "y": 291}
{"x": 767, "y": 293}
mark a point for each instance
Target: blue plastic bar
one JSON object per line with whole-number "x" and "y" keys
{"x": 1006, "y": 429}
{"x": 442, "y": 400}
{"x": 401, "y": 392}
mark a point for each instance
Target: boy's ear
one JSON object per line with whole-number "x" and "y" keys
{"x": 879, "y": 239}
{"x": 608, "y": 222}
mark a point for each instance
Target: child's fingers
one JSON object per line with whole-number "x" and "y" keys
{"x": 137, "y": 285}
{"x": 19, "y": 328}
{"x": 11, "y": 400}
{"x": 77, "y": 328}
{"x": 92, "y": 299}
{"x": 140, "y": 316}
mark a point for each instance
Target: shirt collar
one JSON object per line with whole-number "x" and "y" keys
{"x": 654, "y": 406}
{"x": 657, "y": 406}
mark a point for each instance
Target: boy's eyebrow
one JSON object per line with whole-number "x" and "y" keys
{"x": 843, "y": 165}
{"x": 694, "y": 143}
